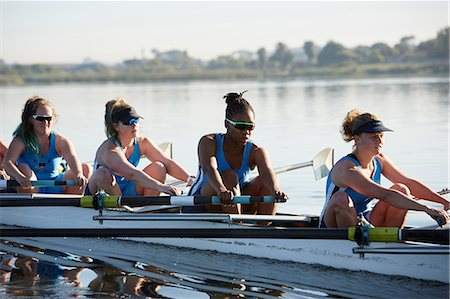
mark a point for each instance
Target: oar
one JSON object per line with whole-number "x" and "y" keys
{"x": 114, "y": 201}
{"x": 322, "y": 163}
{"x": 39, "y": 183}
{"x": 378, "y": 234}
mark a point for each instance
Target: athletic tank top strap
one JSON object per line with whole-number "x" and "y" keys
{"x": 222, "y": 163}
{"x": 135, "y": 156}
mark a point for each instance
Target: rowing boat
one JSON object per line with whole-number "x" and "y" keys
{"x": 290, "y": 238}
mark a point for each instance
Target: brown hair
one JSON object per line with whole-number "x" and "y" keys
{"x": 112, "y": 106}
{"x": 24, "y": 130}
{"x": 354, "y": 120}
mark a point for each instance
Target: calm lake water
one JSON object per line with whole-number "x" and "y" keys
{"x": 295, "y": 120}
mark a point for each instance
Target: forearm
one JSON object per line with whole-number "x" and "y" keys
{"x": 142, "y": 179}
{"x": 75, "y": 166}
{"x": 421, "y": 191}
{"x": 177, "y": 171}
{"x": 401, "y": 201}
{"x": 13, "y": 171}
{"x": 215, "y": 180}
{"x": 270, "y": 180}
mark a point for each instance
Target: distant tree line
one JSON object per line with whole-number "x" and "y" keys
{"x": 333, "y": 59}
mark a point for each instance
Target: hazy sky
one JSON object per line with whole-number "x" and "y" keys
{"x": 53, "y": 32}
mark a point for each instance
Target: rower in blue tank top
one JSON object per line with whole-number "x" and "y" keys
{"x": 37, "y": 152}
{"x": 354, "y": 182}
{"x": 226, "y": 161}
{"x": 243, "y": 172}
{"x": 117, "y": 158}
{"x": 361, "y": 202}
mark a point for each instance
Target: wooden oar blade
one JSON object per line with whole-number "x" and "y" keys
{"x": 322, "y": 163}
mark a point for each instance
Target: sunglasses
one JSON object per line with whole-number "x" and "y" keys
{"x": 242, "y": 125}
{"x": 43, "y": 117}
{"x": 131, "y": 121}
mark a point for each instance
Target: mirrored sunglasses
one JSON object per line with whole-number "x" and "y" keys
{"x": 131, "y": 121}
{"x": 242, "y": 125}
{"x": 42, "y": 117}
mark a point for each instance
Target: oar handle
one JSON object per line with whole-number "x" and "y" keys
{"x": 39, "y": 183}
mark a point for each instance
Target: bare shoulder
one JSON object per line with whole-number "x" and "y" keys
{"x": 208, "y": 139}
{"x": 106, "y": 146}
{"x": 61, "y": 139}
{"x": 143, "y": 139}
{"x": 384, "y": 160}
{"x": 105, "y": 151}
{"x": 144, "y": 142}
{"x": 382, "y": 157}
{"x": 343, "y": 166}
{"x": 256, "y": 146}
{"x": 208, "y": 144}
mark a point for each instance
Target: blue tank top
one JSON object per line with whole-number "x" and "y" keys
{"x": 125, "y": 185}
{"x": 46, "y": 167}
{"x": 243, "y": 172}
{"x": 360, "y": 201}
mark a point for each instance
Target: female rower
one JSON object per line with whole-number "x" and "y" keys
{"x": 227, "y": 160}
{"x": 117, "y": 158}
{"x": 354, "y": 182}
{"x": 37, "y": 152}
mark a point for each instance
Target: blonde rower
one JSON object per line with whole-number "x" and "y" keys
{"x": 117, "y": 158}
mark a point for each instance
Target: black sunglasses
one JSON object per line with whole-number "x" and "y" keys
{"x": 42, "y": 117}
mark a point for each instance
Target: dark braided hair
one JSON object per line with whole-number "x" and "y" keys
{"x": 236, "y": 104}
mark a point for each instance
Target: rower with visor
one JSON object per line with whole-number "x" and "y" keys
{"x": 227, "y": 160}
{"x": 39, "y": 153}
{"x": 117, "y": 158}
{"x": 354, "y": 183}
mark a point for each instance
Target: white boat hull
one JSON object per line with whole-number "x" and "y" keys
{"x": 333, "y": 253}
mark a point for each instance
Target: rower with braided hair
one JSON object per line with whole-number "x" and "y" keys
{"x": 227, "y": 160}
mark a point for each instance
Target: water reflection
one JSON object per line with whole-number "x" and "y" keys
{"x": 108, "y": 268}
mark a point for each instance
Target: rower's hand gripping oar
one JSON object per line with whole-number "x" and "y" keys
{"x": 38, "y": 183}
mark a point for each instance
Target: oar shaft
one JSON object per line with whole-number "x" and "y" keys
{"x": 110, "y": 201}
{"x": 190, "y": 200}
{"x": 39, "y": 183}
{"x": 40, "y": 202}
{"x": 439, "y": 236}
